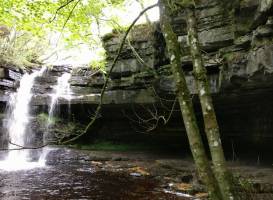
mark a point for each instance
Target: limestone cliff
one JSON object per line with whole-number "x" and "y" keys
{"x": 237, "y": 44}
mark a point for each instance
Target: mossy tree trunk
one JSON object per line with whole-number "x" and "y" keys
{"x": 183, "y": 94}
{"x": 211, "y": 126}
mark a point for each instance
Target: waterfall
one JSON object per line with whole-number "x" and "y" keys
{"x": 18, "y": 120}
{"x": 61, "y": 90}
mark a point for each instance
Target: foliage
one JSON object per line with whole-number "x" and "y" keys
{"x": 178, "y": 4}
{"x": 21, "y": 49}
{"x": 70, "y": 127}
{"x": 44, "y": 119}
{"x": 71, "y": 22}
{"x": 59, "y": 128}
{"x": 71, "y": 17}
{"x": 100, "y": 61}
{"x": 246, "y": 188}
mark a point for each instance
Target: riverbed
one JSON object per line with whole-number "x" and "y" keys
{"x": 89, "y": 175}
{"x": 81, "y": 175}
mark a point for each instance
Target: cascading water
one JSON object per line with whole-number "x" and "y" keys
{"x": 18, "y": 119}
{"x": 61, "y": 90}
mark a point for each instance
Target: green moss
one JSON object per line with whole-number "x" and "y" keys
{"x": 245, "y": 186}
{"x": 100, "y": 62}
{"x": 258, "y": 42}
{"x": 232, "y": 56}
{"x": 229, "y": 56}
{"x": 44, "y": 119}
{"x": 116, "y": 32}
{"x": 58, "y": 123}
{"x": 70, "y": 127}
{"x": 138, "y": 32}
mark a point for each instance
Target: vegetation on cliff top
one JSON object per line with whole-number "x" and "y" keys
{"x": 57, "y": 25}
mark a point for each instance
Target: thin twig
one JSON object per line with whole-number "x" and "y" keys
{"x": 60, "y": 8}
{"x": 20, "y": 147}
{"x": 67, "y": 19}
{"x": 70, "y": 14}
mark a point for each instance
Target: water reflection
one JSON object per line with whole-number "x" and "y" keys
{"x": 67, "y": 176}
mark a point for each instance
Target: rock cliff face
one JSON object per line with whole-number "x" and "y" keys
{"x": 9, "y": 79}
{"x": 237, "y": 44}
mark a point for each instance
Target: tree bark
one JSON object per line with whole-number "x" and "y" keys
{"x": 183, "y": 94}
{"x": 211, "y": 125}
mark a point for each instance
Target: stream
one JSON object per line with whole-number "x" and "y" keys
{"x": 52, "y": 174}
{"x": 71, "y": 175}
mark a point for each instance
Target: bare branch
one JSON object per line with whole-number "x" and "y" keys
{"x": 60, "y": 8}
{"x": 108, "y": 75}
{"x": 20, "y": 147}
{"x": 67, "y": 19}
{"x": 146, "y": 15}
{"x": 70, "y": 14}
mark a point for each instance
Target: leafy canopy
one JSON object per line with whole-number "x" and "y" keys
{"x": 71, "y": 17}
{"x": 70, "y": 22}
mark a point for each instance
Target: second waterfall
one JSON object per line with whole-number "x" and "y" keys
{"x": 61, "y": 90}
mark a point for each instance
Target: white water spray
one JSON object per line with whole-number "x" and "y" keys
{"x": 18, "y": 119}
{"x": 61, "y": 90}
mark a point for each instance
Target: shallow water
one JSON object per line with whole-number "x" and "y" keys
{"x": 70, "y": 175}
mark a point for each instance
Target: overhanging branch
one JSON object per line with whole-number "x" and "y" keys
{"x": 60, "y": 8}
{"x": 20, "y": 147}
{"x": 109, "y": 73}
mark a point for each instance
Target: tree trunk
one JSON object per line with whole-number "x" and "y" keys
{"x": 183, "y": 94}
{"x": 211, "y": 125}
